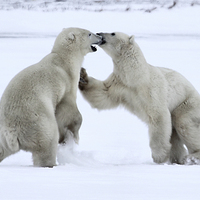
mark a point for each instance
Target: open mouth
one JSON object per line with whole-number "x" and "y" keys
{"x": 103, "y": 41}
{"x": 93, "y": 48}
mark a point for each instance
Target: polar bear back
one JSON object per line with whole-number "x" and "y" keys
{"x": 179, "y": 88}
{"x": 24, "y": 90}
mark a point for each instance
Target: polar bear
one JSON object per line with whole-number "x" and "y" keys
{"x": 38, "y": 108}
{"x": 160, "y": 97}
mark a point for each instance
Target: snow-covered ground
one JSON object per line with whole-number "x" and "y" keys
{"x": 95, "y": 5}
{"x": 113, "y": 160}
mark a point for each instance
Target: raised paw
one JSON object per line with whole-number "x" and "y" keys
{"x": 83, "y": 81}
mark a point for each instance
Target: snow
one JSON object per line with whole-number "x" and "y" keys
{"x": 94, "y": 5}
{"x": 113, "y": 160}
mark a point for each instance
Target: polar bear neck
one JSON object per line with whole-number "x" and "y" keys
{"x": 131, "y": 66}
{"x": 71, "y": 63}
{"x": 72, "y": 67}
{"x": 72, "y": 59}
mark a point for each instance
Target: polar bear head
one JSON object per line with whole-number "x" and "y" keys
{"x": 76, "y": 40}
{"x": 115, "y": 43}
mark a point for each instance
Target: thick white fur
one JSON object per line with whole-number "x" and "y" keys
{"x": 38, "y": 108}
{"x": 160, "y": 97}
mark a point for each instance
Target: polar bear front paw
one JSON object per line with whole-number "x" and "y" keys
{"x": 160, "y": 156}
{"x": 83, "y": 79}
{"x": 158, "y": 159}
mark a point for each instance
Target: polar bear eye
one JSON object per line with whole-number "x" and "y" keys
{"x": 113, "y": 34}
{"x": 90, "y": 34}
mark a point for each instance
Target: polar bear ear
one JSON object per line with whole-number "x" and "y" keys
{"x": 131, "y": 39}
{"x": 71, "y": 36}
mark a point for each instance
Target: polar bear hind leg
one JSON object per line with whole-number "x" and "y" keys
{"x": 178, "y": 151}
{"x": 186, "y": 120}
{"x": 44, "y": 155}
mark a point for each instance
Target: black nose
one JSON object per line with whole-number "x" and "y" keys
{"x": 100, "y": 34}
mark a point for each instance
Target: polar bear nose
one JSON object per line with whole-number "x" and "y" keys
{"x": 99, "y": 34}
{"x": 103, "y": 41}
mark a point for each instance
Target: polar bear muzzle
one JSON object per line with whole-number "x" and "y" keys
{"x": 103, "y": 41}
{"x": 95, "y": 39}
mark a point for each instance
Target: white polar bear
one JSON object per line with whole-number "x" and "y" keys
{"x": 38, "y": 107}
{"x": 160, "y": 97}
